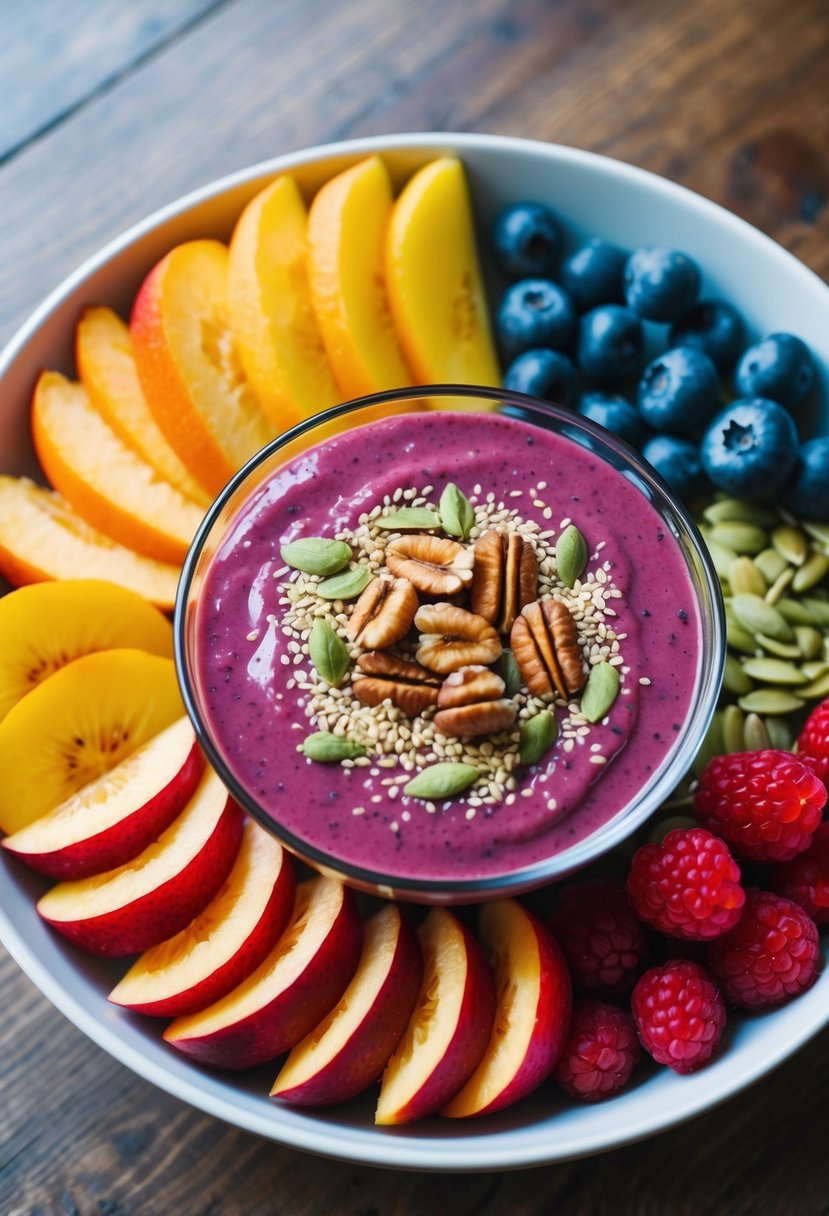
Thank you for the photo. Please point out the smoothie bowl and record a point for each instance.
(451, 648)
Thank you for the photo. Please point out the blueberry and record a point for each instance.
(750, 448)
(593, 274)
(679, 391)
(615, 413)
(807, 491)
(713, 326)
(526, 240)
(661, 284)
(678, 461)
(779, 367)
(611, 345)
(533, 313)
(544, 373)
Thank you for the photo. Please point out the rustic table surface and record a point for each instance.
(113, 107)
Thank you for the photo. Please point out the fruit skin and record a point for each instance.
(526, 240)
(679, 1014)
(805, 879)
(679, 391)
(611, 345)
(605, 944)
(535, 313)
(677, 460)
(715, 327)
(772, 955)
(780, 367)
(765, 804)
(750, 448)
(807, 490)
(594, 274)
(813, 741)
(616, 413)
(661, 284)
(600, 1052)
(687, 886)
(547, 374)
(361, 1058)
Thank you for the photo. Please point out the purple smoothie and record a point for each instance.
(244, 664)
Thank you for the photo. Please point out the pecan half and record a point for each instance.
(546, 648)
(471, 702)
(468, 685)
(435, 565)
(451, 637)
(383, 614)
(387, 677)
(504, 579)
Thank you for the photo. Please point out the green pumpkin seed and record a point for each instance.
(736, 510)
(328, 652)
(817, 689)
(759, 617)
(809, 641)
(733, 726)
(330, 749)
(735, 679)
(773, 671)
(721, 556)
(600, 692)
(671, 823)
(779, 585)
(744, 576)
(770, 701)
(538, 734)
(812, 572)
(571, 555)
(742, 538)
(770, 564)
(755, 734)
(795, 612)
(409, 519)
(814, 669)
(442, 780)
(456, 512)
(510, 673)
(818, 532)
(347, 585)
(790, 543)
(781, 736)
(819, 610)
(316, 554)
(740, 639)
(712, 744)
(783, 650)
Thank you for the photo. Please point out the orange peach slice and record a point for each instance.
(289, 993)
(42, 539)
(347, 227)
(434, 280)
(449, 1029)
(114, 818)
(533, 1013)
(45, 626)
(224, 944)
(106, 366)
(188, 365)
(277, 334)
(104, 480)
(80, 723)
(156, 894)
(350, 1048)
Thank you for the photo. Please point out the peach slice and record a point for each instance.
(533, 1013)
(449, 1029)
(106, 366)
(42, 538)
(47, 625)
(156, 894)
(224, 944)
(188, 365)
(289, 993)
(104, 480)
(350, 1048)
(347, 227)
(115, 817)
(434, 280)
(80, 723)
(277, 335)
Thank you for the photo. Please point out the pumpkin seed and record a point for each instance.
(790, 543)
(742, 538)
(571, 555)
(773, 671)
(538, 734)
(755, 734)
(795, 612)
(409, 519)
(441, 780)
(738, 637)
(316, 554)
(330, 749)
(780, 734)
(770, 701)
(818, 532)
(733, 725)
(819, 610)
(736, 510)
(600, 692)
(735, 679)
(817, 689)
(328, 652)
(779, 585)
(721, 556)
(456, 513)
(347, 585)
(815, 668)
(670, 824)
(783, 650)
(744, 576)
(809, 641)
(770, 564)
(812, 572)
(759, 617)
(510, 673)
(712, 744)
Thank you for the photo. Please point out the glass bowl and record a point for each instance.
(217, 531)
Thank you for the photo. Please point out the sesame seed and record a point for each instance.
(644, 680)
(359, 810)
(598, 759)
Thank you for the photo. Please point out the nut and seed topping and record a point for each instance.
(471, 703)
(545, 643)
(504, 579)
(383, 614)
(468, 685)
(381, 676)
(434, 565)
(451, 637)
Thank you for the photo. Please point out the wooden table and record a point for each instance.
(111, 108)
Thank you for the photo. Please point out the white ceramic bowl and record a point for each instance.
(595, 196)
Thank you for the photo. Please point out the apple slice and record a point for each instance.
(224, 944)
(350, 1048)
(114, 818)
(533, 1013)
(449, 1029)
(156, 894)
(289, 993)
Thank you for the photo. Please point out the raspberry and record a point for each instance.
(765, 804)
(605, 945)
(770, 956)
(805, 879)
(687, 886)
(813, 742)
(600, 1052)
(679, 1014)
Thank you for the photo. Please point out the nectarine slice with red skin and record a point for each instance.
(449, 1029)
(160, 891)
(114, 818)
(80, 723)
(106, 366)
(350, 1048)
(289, 993)
(42, 539)
(532, 1016)
(188, 365)
(47, 625)
(225, 942)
